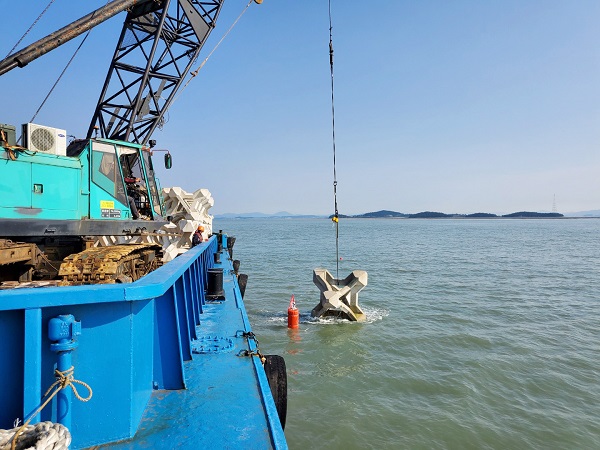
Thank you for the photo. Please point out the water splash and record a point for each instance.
(373, 315)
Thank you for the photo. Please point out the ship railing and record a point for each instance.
(124, 340)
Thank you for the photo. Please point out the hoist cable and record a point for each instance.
(60, 76)
(195, 72)
(63, 71)
(335, 215)
(29, 29)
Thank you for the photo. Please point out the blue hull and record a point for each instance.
(166, 365)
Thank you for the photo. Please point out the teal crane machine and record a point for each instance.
(59, 201)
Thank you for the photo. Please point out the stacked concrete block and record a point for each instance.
(186, 210)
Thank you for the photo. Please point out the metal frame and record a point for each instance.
(155, 52)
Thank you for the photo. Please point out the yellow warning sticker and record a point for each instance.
(107, 204)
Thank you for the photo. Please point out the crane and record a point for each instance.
(43, 225)
(158, 44)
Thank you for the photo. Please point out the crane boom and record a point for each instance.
(65, 34)
(156, 49)
(159, 43)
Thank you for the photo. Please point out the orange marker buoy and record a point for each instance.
(293, 314)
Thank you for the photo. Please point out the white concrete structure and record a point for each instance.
(339, 298)
(187, 212)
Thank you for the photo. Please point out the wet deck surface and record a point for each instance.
(222, 406)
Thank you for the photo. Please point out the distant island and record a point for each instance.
(384, 214)
(387, 214)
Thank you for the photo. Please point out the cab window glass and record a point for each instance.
(105, 171)
(135, 181)
(152, 184)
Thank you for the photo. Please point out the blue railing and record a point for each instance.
(134, 338)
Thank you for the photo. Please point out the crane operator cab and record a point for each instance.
(136, 187)
(121, 183)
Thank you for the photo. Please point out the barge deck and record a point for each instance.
(168, 368)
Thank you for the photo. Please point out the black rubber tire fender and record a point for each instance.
(277, 376)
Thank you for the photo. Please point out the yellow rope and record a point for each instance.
(63, 380)
(66, 379)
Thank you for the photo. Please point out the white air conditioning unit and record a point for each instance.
(45, 139)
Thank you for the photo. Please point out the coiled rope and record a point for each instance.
(41, 436)
(63, 381)
(335, 217)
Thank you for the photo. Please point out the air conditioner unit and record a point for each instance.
(45, 139)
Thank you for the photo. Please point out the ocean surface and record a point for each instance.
(480, 334)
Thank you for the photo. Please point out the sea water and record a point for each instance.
(480, 334)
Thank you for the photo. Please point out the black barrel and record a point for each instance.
(214, 290)
(217, 258)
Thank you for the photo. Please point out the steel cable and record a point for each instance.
(335, 215)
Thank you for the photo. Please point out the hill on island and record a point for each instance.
(379, 214)
(385, 214)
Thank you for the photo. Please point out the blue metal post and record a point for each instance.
(32, 370)
(62, 331)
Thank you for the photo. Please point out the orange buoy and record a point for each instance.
(293, 314)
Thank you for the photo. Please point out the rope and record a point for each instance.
(63, 380)
(13, 151)
(48, 261)
(29, 29)
(335, 215)
(195, 72)
(66, 379)
(43, 436)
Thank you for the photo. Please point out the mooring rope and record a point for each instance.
(41, 436)
(63, 381)
(335, 215)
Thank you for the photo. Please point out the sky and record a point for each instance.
(458, 107)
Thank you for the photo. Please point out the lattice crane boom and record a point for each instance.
(158, 45)
(159, 42)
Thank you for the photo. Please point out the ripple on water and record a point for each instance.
(480, 334)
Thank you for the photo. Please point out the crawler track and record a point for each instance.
(115, 264)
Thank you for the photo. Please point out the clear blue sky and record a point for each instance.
(452, 106)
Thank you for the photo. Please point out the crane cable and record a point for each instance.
(29, 29)
(60, 76)
(335, 217)
(195, 72)
(65, 68)
(21, 40)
